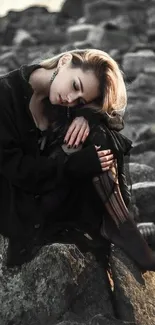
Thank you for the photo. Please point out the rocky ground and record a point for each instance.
(62, 286)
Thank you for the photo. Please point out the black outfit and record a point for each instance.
(28, 178)
(45, 193)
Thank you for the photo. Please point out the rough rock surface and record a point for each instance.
(58, 281)
(144, 195)
(134, 292)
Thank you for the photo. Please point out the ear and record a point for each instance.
(65, 59)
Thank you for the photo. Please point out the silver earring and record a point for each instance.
(54, 75)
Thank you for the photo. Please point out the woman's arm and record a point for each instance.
(36, 174)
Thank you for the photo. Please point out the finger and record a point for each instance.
(80, 135)
(105, 168)
(106, 158)
(74, 135)
(85, 135)
(102, 153)
(106, 164)
(69, 132)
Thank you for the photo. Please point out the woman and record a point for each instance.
(37, 175)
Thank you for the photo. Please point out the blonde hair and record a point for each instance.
(112, 87)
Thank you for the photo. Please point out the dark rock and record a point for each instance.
(60, 279)
(79, 32)
(143, 146)
(144, 198)
(144, 81)
(108, 320)
(109, 36)
(9, 60)
(132, 290)
(146, 158)
(72, 9)
(141, 111)
(101, 10)
(141, 173)
(134, 63)
(146, 132)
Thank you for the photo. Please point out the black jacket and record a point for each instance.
(25, 174)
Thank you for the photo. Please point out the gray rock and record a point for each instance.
(134, 292)
(58, 280)
(97, 11)
(134, 63)
(143, 146)
(9, 60)
(146, 158)
(144, 82)
(79, 32)
(141, 173)
(145, 200)
(23, 38)
(141, 110)
(108, 320)
(146, 132)
(112, 36)
(72, 9)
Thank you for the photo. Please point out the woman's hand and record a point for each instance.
(77, 132)
(106, 158)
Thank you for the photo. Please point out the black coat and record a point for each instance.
(26, 176)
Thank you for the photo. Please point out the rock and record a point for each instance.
(9, 60)
(101, 10)
(143, 83)
(141, 111)
(108, 320)
(72, 9)
(134, 63)
(110, 35)
(60, 279)
(146, 158)
(146, 132)
(79, 32)
(141, 173)
(3, 70)
(134, 292)
(144, 198)
(23, 38)
(50, 36)
(151, 17)
(143, 146)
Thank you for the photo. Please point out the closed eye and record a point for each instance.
(75, 86)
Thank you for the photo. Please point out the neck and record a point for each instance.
(40, 82)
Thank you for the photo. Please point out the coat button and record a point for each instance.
(37, 225)
(37, 197)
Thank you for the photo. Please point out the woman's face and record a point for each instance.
(73, 86)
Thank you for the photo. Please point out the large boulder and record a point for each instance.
(134, 292)
(144, 198)
(59, 280)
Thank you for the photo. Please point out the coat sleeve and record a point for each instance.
(31, 173)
